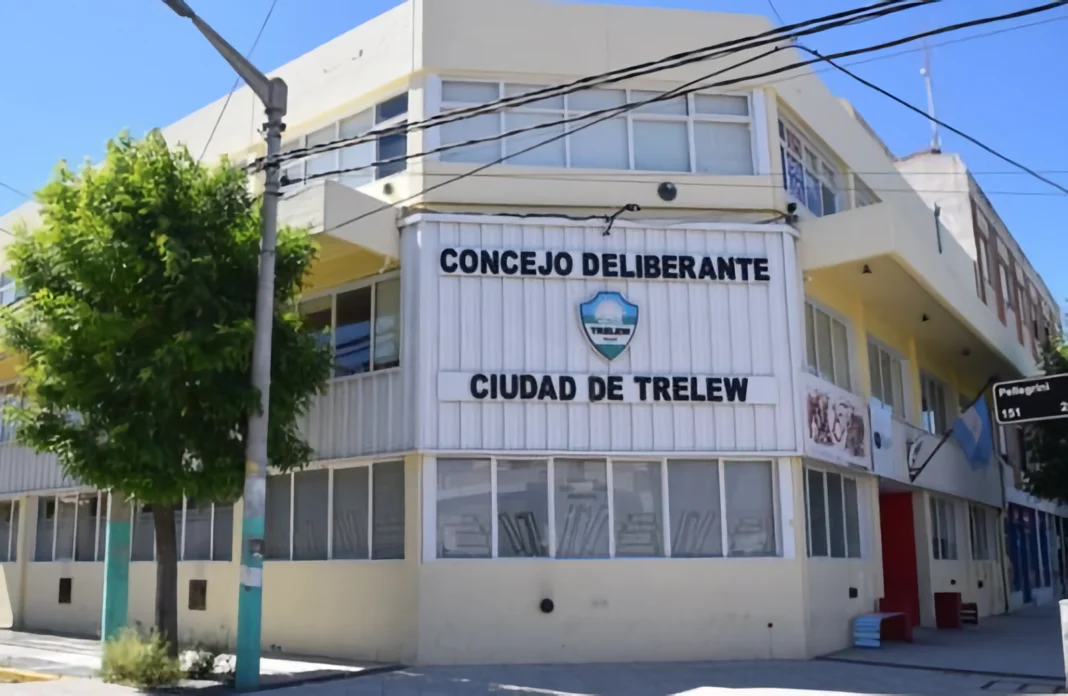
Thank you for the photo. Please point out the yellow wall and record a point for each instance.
(9, 593)
(610, 610)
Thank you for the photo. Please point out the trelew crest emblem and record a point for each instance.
(609, 322)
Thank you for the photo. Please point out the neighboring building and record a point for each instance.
(1014, 292)
(708, 491)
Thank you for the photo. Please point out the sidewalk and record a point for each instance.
(1026, 644)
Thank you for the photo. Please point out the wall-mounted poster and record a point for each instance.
(836, 424)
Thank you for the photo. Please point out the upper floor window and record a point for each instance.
(345, 318)
(807, 176)
(9, 530)
(1007, 287)
(935, 400)
(391, 112)
(827, 346)
(887, 383)
(833, 512)
(698, 133)
(982, 253)
(862, 195)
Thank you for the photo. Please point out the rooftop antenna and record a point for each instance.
(936, 141)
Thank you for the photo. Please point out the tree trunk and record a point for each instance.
(166, 576)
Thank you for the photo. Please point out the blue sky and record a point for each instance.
(75, 72)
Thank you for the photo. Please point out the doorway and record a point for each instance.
(901, 587)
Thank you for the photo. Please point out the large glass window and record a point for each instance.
(208, 531)
(336, 514)
(887, 382)
(943, 529)
(9, 394)
(597, 508)
(464, 508)
(808, 176)
(833, 513)
(345, 318)
(325, 165)
(827, 347)
(935, 400)
(522, 508)
(659, 136)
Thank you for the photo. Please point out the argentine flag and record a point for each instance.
(973, 431)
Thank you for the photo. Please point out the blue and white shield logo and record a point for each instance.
(609, 322)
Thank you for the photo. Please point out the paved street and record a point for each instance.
(1019, 653)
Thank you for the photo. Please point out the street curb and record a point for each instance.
(28, 676)
(318, 679)
(950, 670)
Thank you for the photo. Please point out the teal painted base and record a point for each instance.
(116, 579)
(249, 606)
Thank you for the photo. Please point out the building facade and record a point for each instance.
(555, 434)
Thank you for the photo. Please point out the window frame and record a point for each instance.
(691, 118)
(787, 126)
(14, 527)
(844, 476)
(301, 141)
(929, 380)
(373, 284)
(811, 306)
(979, 519)
(369, 464)
(430, 541)
(938, 505)
(901, 411)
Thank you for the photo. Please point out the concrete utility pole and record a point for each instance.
(273, 93)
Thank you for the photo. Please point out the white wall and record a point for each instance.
(686, 327)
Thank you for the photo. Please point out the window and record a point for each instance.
(1006, 289)
(862, 195)
(983, 254)
(596, 508)
(359, 344)
(934, 404)
(1043, 548)
(71, 527)
(943, 529)
(832, 509)
(143, 535)
(10, 292)
(392, 112)
(827, 346)
(807, 175)
(980, 522)
(887, 382)
(339, 513)
(9, 394)
(207, 531)
(9, 530)
(700, 133)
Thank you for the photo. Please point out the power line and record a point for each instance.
(15, 190)
(730, 47)
(608, 178)
(685, 89)
(974, 141)
(237, 82)
(778, 16)
(676, 91)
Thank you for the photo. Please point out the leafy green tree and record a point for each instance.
(136, 334)
(1048, 440)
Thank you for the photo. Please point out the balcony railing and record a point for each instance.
(359, 415)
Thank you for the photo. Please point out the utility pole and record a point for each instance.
(936, 141)
(273, 93)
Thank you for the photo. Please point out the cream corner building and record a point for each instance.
(503, 473)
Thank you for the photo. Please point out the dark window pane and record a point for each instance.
(352, 344)
(224, 533)
(387, 532)
(391, 108)
(46, 520)
(522, 508)
(390, 147)
(85, 544)
(276, 520)
(350, 512)
(836, 516)
(143, 546)
(817, 514)
(310, 495)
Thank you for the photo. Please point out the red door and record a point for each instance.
(901, 587)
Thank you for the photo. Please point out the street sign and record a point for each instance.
(1032, 399)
